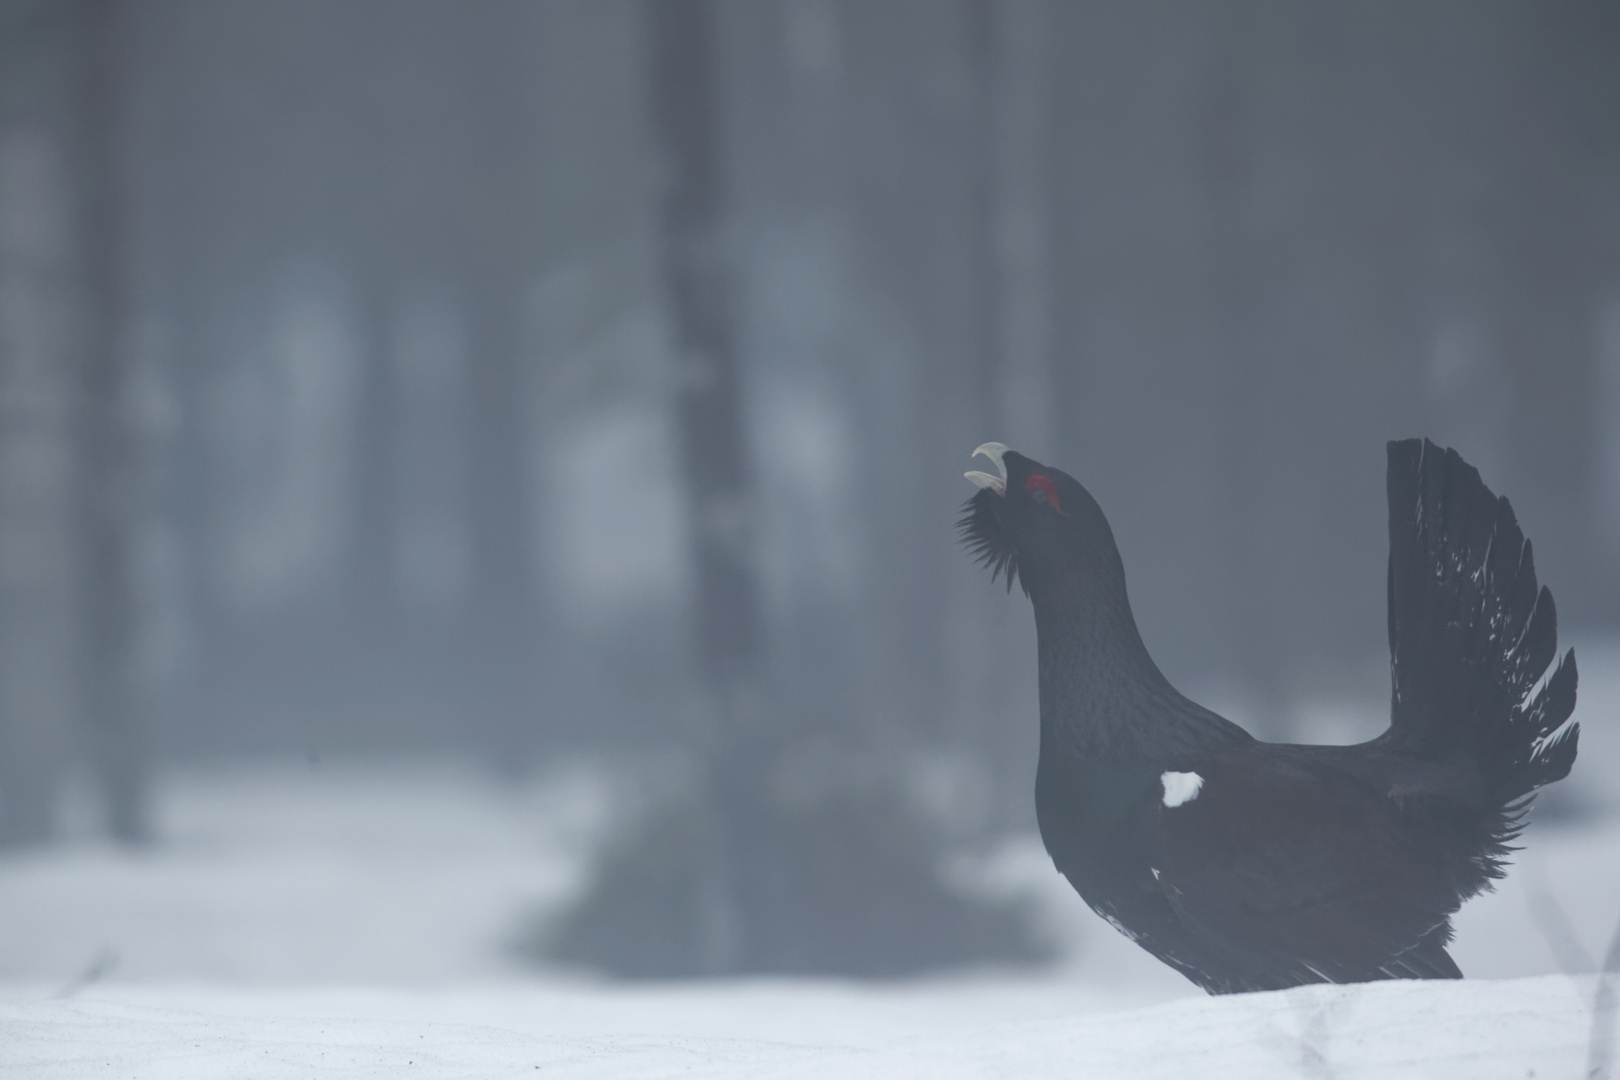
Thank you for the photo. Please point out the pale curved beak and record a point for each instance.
(998, 484)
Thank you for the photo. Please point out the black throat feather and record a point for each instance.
(986, 538)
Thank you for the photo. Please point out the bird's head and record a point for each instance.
(1034, 523)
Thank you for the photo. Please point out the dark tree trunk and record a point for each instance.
(698, 282)
(728, 626)
(768, 866)
(108, 459)
(42, 300)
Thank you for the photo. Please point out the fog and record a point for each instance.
(557, 411)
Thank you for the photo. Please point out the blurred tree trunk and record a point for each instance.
(770, 865)
(1016, 215)
(41, 307)
(697, 270)
(961, 389)
(108, 447)
(1020, 220)
(376, 514)
(698, 279)
(1547, 287)
(499, 254)
(672, 900)
(1237, 262)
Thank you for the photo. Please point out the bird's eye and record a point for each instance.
(1043, 490)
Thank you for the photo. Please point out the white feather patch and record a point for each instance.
(1180, 787)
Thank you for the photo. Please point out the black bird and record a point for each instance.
(1257, 866)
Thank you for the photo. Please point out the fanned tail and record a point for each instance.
(1472, 638)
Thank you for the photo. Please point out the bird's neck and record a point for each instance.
(1102, 696)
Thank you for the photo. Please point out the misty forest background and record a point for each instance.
(541, 380)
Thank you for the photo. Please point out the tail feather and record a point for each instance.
(1471, 634)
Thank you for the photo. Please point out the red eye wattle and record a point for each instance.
(1044, 490)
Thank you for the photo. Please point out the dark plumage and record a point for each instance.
(1257, 866)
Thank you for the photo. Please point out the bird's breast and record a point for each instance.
(1096, 819)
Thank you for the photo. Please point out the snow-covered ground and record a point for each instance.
(358, 920)
(1468, 1031)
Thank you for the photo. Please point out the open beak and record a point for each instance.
(997, 484)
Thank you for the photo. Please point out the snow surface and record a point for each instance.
(297, 920)
(1473, 1030)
